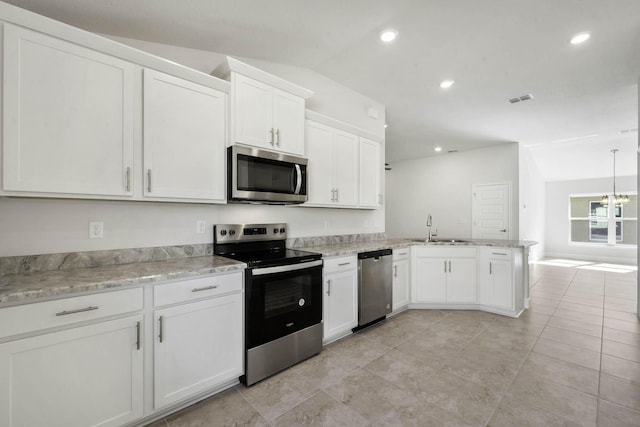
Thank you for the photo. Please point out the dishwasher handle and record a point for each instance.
(375, 254)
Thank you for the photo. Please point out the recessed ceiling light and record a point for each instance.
(385, 125)
(580, 38)
(388, 35)
(446, 84)
(438, 149)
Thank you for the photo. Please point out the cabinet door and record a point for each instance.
(430, 279)
(288, 121)
(461, 280)
(86, 376)
(345, 161)
(320, 166)
(370, 173)
(498, 284)
(340, 303)
(400, 283)
(252, 112)
(197, 346)
(184, 139)
(68, 117)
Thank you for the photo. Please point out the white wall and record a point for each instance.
(37, 226)
(441, 185)
(558, 227)
(532, 204)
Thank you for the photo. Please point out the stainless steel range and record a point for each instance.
(283, 297)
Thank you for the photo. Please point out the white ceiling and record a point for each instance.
(493, 49)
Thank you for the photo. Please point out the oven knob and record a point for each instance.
(223, 232)
(275, 231)
(232, 232)
(282, 230)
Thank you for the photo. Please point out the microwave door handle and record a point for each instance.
(298, 179)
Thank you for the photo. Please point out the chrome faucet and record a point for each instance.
(429, 224)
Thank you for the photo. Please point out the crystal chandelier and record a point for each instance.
(618, 198)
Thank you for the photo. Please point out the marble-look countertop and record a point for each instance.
(358, 247)
(18, 288)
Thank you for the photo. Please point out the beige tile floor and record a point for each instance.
(573, 359)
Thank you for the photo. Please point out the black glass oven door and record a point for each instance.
(282, 300)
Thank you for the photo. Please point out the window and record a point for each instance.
(592, 222)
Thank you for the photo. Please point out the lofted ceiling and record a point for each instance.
(494, 50)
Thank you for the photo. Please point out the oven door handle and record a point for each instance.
(284, 268)
(298, 179)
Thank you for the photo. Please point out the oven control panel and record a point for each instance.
(223, 233)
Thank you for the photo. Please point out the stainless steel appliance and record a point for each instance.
(374, 286)
(283, 297)
(260, 176)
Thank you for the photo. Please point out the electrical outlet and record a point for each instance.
(200, 227)
(96, 230)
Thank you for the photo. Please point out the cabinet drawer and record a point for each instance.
(50, 314)
(399, 254)
(332, 265)
(202, 287)
(446, 251)
(498, 252)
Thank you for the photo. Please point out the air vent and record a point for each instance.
(452, 151)
(521, 98)
(635, 130)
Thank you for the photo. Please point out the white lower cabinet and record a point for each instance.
(197, 345)
(340, 298)
(501, 288)
(84, 376)
(444, 275)
(400, 295)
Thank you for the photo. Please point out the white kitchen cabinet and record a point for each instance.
(371, 167)
(184, 139)
(197, 345)
(67, 116)
(266, 117)
(444, 275)
(340, 298)
(400, 295)
(89, 375)
(333, 167)
(501, 289)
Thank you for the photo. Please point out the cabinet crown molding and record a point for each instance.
(335, 123)
(233, 65)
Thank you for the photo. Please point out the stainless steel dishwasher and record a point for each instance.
(374, 286)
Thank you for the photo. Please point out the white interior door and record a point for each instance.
(491, 211)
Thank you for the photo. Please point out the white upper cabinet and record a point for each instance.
(333, 166)
(370, 173)
(266, 111)
(68, 117)
(184, 139)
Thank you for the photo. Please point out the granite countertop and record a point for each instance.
(357, 247)
(16, 288)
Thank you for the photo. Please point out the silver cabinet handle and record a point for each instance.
(160, 334)
(149, 180)
(138, 336)
(498, 253)
(128, 178)
(337, 194)
(445, 265)
(277, 137)
(449, 266)
(343, 264)
(272, 137)
(490, 268)
(298, 179)
(402, 253)
(80, 310)
(333, 194)
(329, 287)
(206, 288)
(504, 230)
(395, 271)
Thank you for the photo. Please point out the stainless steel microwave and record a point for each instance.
(260, 176)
